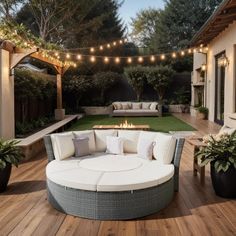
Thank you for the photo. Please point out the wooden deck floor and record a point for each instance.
(196, 210)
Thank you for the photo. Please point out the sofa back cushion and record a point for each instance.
(126, 105)
(101, 139)
(117, 105)
(164, 148)
(130, 140)
(90, 135)
(136, 105)
(153, 106)
(146, 105)
(63, 146)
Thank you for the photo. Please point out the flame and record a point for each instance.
(125, 125)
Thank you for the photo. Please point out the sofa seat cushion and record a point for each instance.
(141, 174)
(73, 177)
(140, 111)
(148, 175)
(111, 163)
(130, 140)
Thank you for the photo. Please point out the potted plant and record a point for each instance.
(220, 152)
(202, 113)
(10, 155)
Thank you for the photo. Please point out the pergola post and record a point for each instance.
(59, 112)
(7, 112)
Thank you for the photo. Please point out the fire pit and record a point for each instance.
(124, 125)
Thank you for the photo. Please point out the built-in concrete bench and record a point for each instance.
(33, 144)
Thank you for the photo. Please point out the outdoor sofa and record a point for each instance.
(135, 109)
(110, 187)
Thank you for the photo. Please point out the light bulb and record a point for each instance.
(174, 55)
(108, 45)
(92, 49)
(56, 54)
(106, 59)
(121, 41)
(79, 57)
(101, 48)
(117, 60)
(163, 57)
(114, 43)
(92, 59)
(67, 55)
(152, 58)
(182, 53)
(129, 60)
(140, 59)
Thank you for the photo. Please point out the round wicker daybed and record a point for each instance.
(111, 187)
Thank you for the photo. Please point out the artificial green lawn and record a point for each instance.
(164, 124)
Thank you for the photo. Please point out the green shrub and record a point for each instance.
(203, 110)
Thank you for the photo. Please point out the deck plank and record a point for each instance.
(195, 210)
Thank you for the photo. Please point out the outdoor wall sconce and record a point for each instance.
(203, 67)
(224, 61)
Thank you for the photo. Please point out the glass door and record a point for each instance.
(219, 90)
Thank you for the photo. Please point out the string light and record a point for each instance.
(117, 60)
(121, 42)
(182, 53)
(163, 57)
(79, 57)
(129, 60)
(174, 55)
(108, 45)
(68, 56)
(114, 43)
(92, 59)
(190, 51)
(101, 47)
(152, 58)
(106, 59)
(140, 59)
(194, 50)
(75, 65)
(92, 50)
(56, 54)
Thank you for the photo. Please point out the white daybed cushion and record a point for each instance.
(130, 140)
(164, 148)
(100, 139)
(148, 175)
(90, 135)
(111, 163)
(73, 177)
(63, 146)
(115, 145)
(227, 130)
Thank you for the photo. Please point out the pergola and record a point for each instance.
(10, 57)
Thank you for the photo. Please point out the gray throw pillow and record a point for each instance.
(81, 146)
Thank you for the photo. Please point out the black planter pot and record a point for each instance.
(224, 183)
(4, 177)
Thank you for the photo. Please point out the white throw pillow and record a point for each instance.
(145, 148)
(130, 138)
(81, 146)
(153, 106)
(115, 145)
(146, 105)
(136, 105)
(164, 148)
(90, 135)
(63, 146)
(101, 139)
(117, 105)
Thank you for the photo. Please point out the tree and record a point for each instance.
(103, 81)
(179, 21)
(136, 77)
(8, 8)
(144, 26)
(159, 77)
